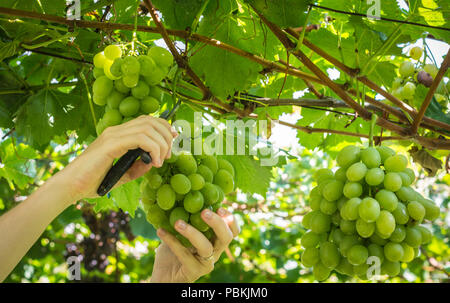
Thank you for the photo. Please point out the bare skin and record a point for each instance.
(22, 226)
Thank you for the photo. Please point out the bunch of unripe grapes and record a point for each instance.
(404, 87)
(366, 208)
(182, 188)
(127, 86)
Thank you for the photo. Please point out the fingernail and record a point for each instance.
(161, 232)
(181, 225)
(221, 212)
(207, 214)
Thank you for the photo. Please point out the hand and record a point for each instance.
(178, 264)
(153, 135)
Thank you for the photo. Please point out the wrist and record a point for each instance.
(60, 187)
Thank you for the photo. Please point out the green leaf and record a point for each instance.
(101, 203)
(15, 160)
(178, 14)
(140, 226)
(251, 177)
(127, 197)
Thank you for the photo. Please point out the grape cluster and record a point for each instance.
(366, 208)
(411, 75)
(127, 86)
(105, 231)
(182, 188)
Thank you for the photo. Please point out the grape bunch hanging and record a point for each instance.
(127, 86)
(182, 188)
(366, 208)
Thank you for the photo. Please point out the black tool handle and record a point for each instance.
(120, 168)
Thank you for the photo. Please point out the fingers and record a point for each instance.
(197, 239)
(182, 253)
(230, 220)
(220, 227)
(137, 170)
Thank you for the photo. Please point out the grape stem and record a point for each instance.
(372, 127)
(91, 105)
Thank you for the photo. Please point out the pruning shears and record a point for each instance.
(126, 161)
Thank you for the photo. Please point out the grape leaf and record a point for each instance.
(127, 197)
(251, 177)
(178, 14)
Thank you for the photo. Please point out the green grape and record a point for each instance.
(186, 164)
(393, 251)
(376, 251)
(371, 157)
(323, 174)
(173, 158)
(344, 267)
(431, 69)
(210, 193)
(100, 127)
(406, 69)
(392, 181)
(140, 91)
(390, 268)
(329, 255)
(107, 70)
(183, 240)
(406, 194)
(416, 53)
(350, 209)
(321, 185)
(120, 86)
(411, 174)
(165, 197)
(320, 223)
(180, 184)
(307, 218)
(310, 239)
(99, 60)
(130, 81)
(397, 83)
(333, 190)
(431, 210)
(198, 223)
(399, 234)
(116, 68)
(348, 227)
(347, 242)
(385, 152)
(310, 257)
(156, 92)
(205, 172)
(221, 194)
(224, 164)
(357, 255)
(348, 156)
(225, 180)
(375, 238)
(161, 56)
(352, 189)
(197, 181)
(413, 237)
(361, 271)
(112, 52)
(114, 99)
(155, 181)
(112, 117)
(321, 272)
(178, 213)
(365, 229)
(102, 87)
(131, 66)
(149, 105)
(211, 163)
(129, 106)
(100, 101)
(416, 210)
(156, 76)
(374, 176)
(369, 209)
(356, 172)
(340, 203)
(426, 234)
(385, 223)
(406, 179)
(98, 72)
(327, 207)
(408, 253)
(408, 90)
(216, 206)
(193, 202)
(395, 163)
(401, 214)
(340, 175)
(387, 199)
(156, 216)
(336, 218)
(337, 236)
(147, 65)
